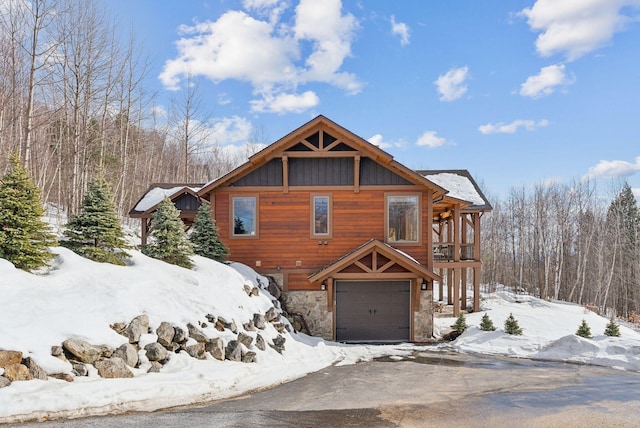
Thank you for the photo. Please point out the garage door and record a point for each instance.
(372, 311)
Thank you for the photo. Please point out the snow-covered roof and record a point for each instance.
(459, 184)
(156, 194)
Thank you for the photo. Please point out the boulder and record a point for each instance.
(180, 336)
(247, 289)
(216, 348)
(79, 369)
(127, 352)
(36, 371)
(10, 357)
(260, 343)
(156, 352)
(62, 376)
(82, 351)
(272, 315)
(118, 327)
(278, 343)
(136, 328)
(274, 290)
(280, 327)
(249, 326)
(232, 351)
(16, 372)
(195, 350)
(255, 291)
(57, 351)
(210, 318)
(249, 357)
(165, 333)
(155, 367)
(4, 382)
(113, 368)
(196, 334)
(245, 339)
(259, 321)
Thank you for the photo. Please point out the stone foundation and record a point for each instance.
(313, 307)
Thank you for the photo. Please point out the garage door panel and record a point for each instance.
(372, 310)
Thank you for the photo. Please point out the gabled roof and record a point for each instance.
(149, 202)
(369, 247)
(461, 186)
(320, 122)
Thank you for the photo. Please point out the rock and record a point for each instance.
(165, 333)
(247, 289)
(62, 376)
(36, 371)
(113, 368)
(16, 372)
(156, 352)
(255, 291)
(278, 343)
(210, 318)
(203, 324)
(219, 325)
(80, 369)
(10, 357)
(245, 339)
(233, 327)
(4, 382)
(127, 352)
(273, 288)
(260, 343)
(272, 315)
(233, 351)
(82, 351)
(118, 327)
(249, 326)
(57, 351)
(196, 334)
(259, 321)
(196, 350)
(280, 327)
(180, 335)
(249, 357)
(136, 328)
(155, 367)
(216, 348)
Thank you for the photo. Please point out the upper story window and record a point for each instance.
(321, 216)
(244, 214)
(403, 218)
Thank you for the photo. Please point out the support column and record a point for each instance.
(463, 287)
(456, 292)
(450, 287)
(476, 289)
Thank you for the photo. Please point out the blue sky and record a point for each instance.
(517, 92)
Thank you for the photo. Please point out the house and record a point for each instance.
(355, 240)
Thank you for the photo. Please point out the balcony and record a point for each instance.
(446, 252)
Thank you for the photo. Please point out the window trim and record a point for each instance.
(232, 234)
(312, 206)
(419, 216)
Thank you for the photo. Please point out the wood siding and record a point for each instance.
(269, 174)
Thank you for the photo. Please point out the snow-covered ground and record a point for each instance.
(77, 298)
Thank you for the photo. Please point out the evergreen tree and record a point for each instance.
(584, 330)
(612, 328)
(96, 233)
(460, 325)
(205, 239)
(511, 326)
(486, 324)
(168, 238)
(24, 238)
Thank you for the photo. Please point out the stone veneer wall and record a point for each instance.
(313, 307)
(423, 318)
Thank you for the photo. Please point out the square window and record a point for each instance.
(403, 219)
(244, 216)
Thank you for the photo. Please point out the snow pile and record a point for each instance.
(548, 333)
(79, 298)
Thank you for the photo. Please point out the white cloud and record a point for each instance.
(511, 128)
(575, 28)
(613, 169)
(272, 56)
(400, 29)
(159, 112)
(451, 85)
(377, 140)
(431, 140)
(285, 103)
(636, 192)
(231, 130)
(546, 82)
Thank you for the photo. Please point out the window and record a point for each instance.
(320, 216)
(244, 216)
(403, 219)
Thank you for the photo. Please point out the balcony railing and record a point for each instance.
(446, 252)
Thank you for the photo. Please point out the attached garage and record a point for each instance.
(373, 311)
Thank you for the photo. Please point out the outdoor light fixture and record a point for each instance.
(323, 286)
(423, 286)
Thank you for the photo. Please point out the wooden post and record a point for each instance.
(285, 174)
(429, 229)
(449, 286)
(456, 292)
(476, 289)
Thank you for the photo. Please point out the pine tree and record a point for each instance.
(168, 238)
(24, 238)
(612, 328)
(486, 324)
(511, 326)
(205, 239)
(460, 325)
(584, 330)
(96, 233)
